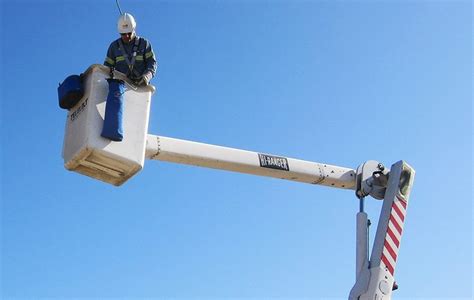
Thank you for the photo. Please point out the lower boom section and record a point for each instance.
(224, 158)
(378, 283)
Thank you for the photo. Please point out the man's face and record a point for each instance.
(127, 37)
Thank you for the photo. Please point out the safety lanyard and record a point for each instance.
(134, 54)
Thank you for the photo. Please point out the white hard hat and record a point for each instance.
(126, 23)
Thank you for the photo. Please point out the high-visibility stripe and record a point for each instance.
(149, 54)
(403, 202)
(396, 219)
(390, 250)
(388, 259)
(393, 237)
(120, 58)
(139, 57)
(398, 211)
(402, 206)
(392, 244)
(388, 265)
(395, 224)
(110, 61)
(394, 233)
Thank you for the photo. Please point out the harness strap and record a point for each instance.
(131, 63)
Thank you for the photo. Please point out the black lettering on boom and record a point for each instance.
(273, 162)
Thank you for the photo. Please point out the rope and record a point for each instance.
(118, 6)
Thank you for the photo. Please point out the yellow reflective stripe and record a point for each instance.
(119, 58)
(110, 61)
(139, 57)
(149, 54)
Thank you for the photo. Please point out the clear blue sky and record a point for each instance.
(337, 82)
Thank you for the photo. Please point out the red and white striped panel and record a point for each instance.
(394, 233)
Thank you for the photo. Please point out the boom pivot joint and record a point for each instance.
(371, 179)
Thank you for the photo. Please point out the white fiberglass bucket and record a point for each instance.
(85, 151)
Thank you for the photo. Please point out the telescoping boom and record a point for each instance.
(218, 157)
(86, 152)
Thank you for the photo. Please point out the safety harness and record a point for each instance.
(131, 63)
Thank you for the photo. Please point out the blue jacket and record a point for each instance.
(144, 61)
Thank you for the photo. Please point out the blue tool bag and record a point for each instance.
(70, 91)
(113, 129)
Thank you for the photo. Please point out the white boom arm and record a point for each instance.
(217, 157)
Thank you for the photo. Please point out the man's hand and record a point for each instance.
(145, 78)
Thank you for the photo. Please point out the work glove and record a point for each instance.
(145, 78)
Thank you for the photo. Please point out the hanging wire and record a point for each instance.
(118, 6)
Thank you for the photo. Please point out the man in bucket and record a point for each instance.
(130, 54)
(133, 56)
